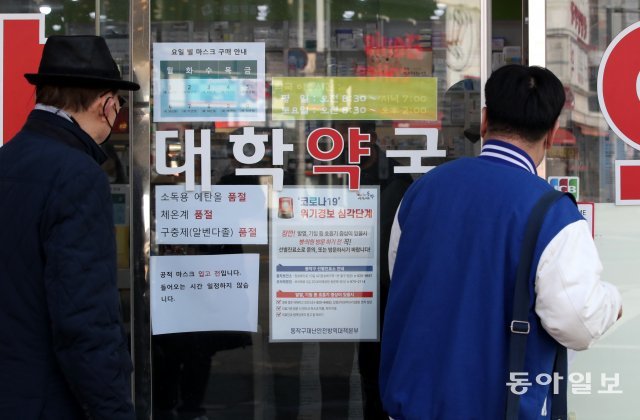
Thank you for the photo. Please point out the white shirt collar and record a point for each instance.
(54, 110)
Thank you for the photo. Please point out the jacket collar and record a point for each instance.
(65, 131)
(507, 153)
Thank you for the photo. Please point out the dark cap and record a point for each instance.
(78, 61)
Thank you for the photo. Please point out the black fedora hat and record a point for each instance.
(78, 61)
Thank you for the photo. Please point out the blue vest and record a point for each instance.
(445, 335)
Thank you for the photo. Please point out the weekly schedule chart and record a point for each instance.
(209, 82)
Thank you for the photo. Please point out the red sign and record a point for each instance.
(627, 182)
(21, 42)
(619, 85)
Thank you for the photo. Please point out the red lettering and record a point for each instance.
(313, 144)
(356, 138)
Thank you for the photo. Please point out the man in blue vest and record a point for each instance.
(455, 246)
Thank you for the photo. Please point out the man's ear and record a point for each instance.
(483, 122)
(98, 107)
(551, 134)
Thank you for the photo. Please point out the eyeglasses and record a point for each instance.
(122, 102)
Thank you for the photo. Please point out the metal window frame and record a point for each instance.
(140, 211)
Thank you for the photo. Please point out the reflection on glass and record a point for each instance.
(584, 146)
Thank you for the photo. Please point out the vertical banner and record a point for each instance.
(21, 42)
(204, 293)
(324, 264)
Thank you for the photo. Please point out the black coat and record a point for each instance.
(63, 352)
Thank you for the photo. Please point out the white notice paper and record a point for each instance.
(324, 264)
(204, 293)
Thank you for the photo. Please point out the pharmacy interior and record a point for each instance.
(256, 174)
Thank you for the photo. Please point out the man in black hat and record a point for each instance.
(63, 350)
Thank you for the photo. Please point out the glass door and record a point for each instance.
(283, 134)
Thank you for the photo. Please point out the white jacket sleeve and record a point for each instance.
(394, 240)
(574, 305)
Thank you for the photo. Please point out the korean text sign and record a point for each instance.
(324, 271)
(360, 98)
(229, 214)
(204, 293)
(352, 146)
